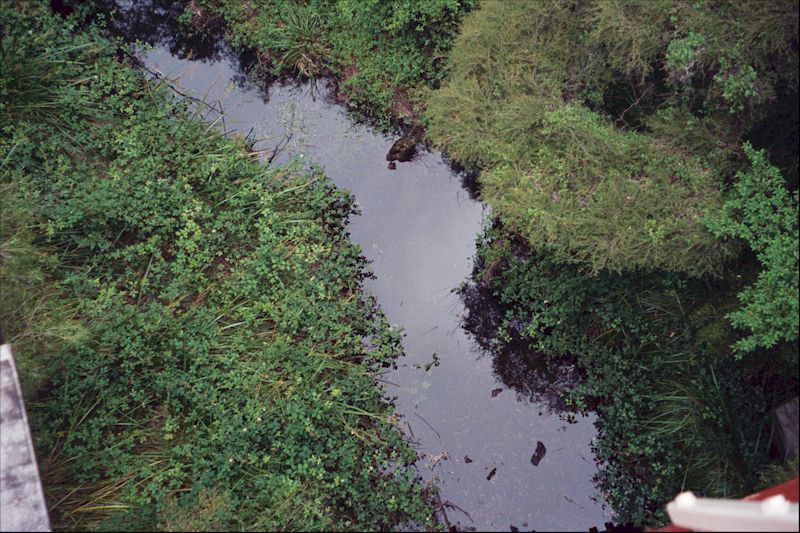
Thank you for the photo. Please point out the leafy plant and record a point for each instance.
(763, 213)
(190, 323)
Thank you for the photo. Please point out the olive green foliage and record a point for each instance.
(764, 214)
(579, 116)
(37, 318)
(378, 50)
(672, 417)
(203, 353)
(780, 472)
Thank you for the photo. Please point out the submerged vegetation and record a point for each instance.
(189, 324)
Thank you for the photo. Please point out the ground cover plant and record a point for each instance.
(191, 333)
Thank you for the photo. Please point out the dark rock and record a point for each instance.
(392, 165)
(467, 459)
(403, 148)
(495, 392)
(491, 474)
(785, 419)
(538, 454)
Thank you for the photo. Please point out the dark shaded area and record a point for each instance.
(610, 526)
(469, 177)
(61, 8)
(155, 22)
(532, 375)
(629, 102)
(778, 133)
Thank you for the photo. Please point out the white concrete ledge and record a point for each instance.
(22, 504)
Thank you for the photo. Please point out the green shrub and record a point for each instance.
(578, 115)
(377, 50)
(199, 321)
(762, 213)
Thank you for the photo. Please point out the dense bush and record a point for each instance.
(217, 373)
(606, 130)
(764, 214)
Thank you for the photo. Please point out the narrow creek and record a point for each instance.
(476, 428)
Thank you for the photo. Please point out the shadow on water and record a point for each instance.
(157, 22)
(534, 378)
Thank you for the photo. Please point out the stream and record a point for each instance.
(478, 420)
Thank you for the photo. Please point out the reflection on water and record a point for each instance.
(488, 426)
(157, 22)
(529, 374)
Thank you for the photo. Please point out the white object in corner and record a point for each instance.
(775, 513)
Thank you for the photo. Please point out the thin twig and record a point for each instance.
(448, 503)
(427, 424)
(160, 76)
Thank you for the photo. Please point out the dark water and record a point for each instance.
(477, 417)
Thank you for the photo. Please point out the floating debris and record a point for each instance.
(436, 459)
(538, 454)
(491, 474)
(434, 362)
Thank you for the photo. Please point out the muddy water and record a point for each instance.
(475, 418)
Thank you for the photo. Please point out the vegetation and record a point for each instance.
(382, 53)
(603, 145)
(674, 412)
(780, 473)
(764, 214)
(172, 302)
(639, 233)
(189, 324)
